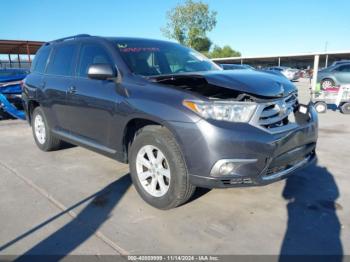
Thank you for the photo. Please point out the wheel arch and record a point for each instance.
(134, 125)
(32, 104)
(130, 130)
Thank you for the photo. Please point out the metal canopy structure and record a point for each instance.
(19, 47)
(301, 60)
(11, 47)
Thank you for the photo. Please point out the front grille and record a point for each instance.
(237, 181)
(277, 115)
(275, 170)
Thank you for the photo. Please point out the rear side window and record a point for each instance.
(62, 62)
(40, 60)
(344, 68)
(91, 54)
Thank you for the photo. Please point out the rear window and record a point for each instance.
(40, 60)
(63, 60)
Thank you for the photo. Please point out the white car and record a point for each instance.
(290, 73)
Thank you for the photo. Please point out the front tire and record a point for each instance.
(321, 107)
(327, 83)
(158, 170)
(41, 132)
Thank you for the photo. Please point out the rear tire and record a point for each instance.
(155, 157)
(41, 132)
(321, 107)
(345, 108)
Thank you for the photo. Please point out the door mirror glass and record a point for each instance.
(101, 71)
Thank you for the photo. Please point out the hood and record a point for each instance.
(11, 78)
(252, 82)
(246, 81)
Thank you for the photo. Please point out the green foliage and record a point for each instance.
(201, 44)
(189, 23)
(225, 51)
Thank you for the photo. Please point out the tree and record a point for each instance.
(189, 23)
(201, 44)
(225, 51)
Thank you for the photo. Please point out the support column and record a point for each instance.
(241, 61)
(315, 71)
(10, 61)
(19, 61)
(28, 53)
(279, 61)
(326, 64)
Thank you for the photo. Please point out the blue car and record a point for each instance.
(10, 92)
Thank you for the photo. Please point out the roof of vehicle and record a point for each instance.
(341, 62)
(332, 66)
(82, 36)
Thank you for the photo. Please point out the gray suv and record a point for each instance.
(334, 75)
(177, 118)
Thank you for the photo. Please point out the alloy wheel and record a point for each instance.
(153, 170)
(39, 128)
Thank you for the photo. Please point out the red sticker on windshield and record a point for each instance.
(139, 49)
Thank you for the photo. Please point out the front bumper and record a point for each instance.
(277, 155)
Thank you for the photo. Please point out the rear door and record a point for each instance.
(58, 80)
(35, 82)
(91, 105)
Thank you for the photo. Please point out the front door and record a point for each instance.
(58, 79)
(91, 102)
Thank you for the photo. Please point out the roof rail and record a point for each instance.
(69, 38)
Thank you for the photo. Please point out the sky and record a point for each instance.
(253, 27)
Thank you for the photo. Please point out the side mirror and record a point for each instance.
(101, 71)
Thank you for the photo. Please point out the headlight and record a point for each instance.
(231, 111)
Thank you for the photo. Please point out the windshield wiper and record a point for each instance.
(175, 77)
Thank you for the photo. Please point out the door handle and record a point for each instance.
(72, 90)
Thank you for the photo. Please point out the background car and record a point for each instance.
(248, 67)
(334, 75)
(236, 66)
(291, 73)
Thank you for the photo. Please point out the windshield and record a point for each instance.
(153, 58)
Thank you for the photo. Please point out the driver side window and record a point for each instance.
(91, 54)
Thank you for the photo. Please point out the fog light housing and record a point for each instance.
(227, 167)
